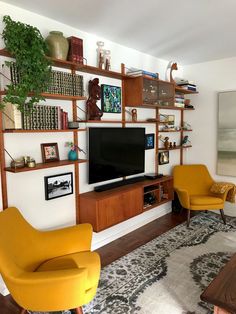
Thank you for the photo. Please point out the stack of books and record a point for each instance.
(41, 117)
(188, 86)
(179, 100)
(138, 72)
(75, 53)
(64, 83)
(45, 117)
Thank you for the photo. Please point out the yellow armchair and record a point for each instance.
(193, 183)
(47, 270)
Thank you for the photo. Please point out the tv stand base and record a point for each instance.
(117, 184)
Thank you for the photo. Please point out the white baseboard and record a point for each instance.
(104, 237)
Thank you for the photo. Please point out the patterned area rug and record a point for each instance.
(168, 274)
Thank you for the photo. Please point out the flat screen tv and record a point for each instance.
(115, 153)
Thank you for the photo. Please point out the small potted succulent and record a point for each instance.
(73, 152)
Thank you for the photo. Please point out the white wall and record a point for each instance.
(211, 78)
(26, 190)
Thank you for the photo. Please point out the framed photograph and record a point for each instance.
(163, 157)
(111, 98)
(58, 185)
(169, 119)
(50, 152)
(149, 141)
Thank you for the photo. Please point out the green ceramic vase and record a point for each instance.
(58, 45)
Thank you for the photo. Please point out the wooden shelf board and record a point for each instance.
(169, 131)
(185, 91)
(151, 106)
(45, 165)
(43, 131)
(55, 96)
(157, 204)
(174, 148)
(101, 121)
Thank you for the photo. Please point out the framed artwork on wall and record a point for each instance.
(226, 141)
(163, 157)
(149, 141)
(49, 152)
(58, 185)
(111, 98)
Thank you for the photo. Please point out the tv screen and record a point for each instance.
(115, 153)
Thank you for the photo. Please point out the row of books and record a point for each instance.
(179, 100)
(62, 83)
(42, 117)
(138, 72)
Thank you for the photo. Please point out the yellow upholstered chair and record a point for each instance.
(192, 183)
(47, 270)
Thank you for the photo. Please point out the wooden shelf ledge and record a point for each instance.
(44, 131)
(40, 166)
(174, 148)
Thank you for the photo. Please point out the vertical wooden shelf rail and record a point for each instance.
(2, 164)
(181, 135)
(76, 165)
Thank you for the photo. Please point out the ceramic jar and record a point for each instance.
(58, 45)
(72, 155)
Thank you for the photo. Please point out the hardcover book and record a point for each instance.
(75, 53)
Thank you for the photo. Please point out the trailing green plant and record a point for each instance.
(26, 44)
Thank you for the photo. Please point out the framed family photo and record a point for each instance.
(111, 98)
(49, 152)
(58, 185)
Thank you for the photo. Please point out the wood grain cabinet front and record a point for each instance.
(104, 210)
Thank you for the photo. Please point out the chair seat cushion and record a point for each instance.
(205, 200)
(89, 260)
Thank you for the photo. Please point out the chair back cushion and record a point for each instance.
(193, 178)
(18, 241)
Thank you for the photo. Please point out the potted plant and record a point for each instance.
(73, 152)
(26, 44)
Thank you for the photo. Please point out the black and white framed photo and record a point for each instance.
(149, 141)
(163, 157)
(58, 185)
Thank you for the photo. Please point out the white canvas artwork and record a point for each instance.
(226, 150)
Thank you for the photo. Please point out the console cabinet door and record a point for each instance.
(119, 207)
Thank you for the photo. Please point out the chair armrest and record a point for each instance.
(66, 241)
(222, 195)
(183, 197)
(49, 289)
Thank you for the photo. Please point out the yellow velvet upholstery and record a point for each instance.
(47, 270)
(193, 183)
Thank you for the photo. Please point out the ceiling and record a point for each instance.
(187, 31)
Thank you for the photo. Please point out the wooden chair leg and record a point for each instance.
(79, 310)
(23, 311)
(188, 218)
(223, 216)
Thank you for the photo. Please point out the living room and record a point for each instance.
(212, 72)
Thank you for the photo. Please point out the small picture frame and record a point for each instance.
(111, 98)
(49, 152)
(149, 141)
(163, 157)
(58, 185)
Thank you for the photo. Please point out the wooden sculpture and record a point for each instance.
(93, 112)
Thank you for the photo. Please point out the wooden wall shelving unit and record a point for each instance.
(110, 207)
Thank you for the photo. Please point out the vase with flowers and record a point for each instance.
(73, 152)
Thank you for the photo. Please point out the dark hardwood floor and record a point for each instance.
(117, 248)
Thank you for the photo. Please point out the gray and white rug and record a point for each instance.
(168, 274)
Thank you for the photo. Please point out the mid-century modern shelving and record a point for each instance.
(137, 190)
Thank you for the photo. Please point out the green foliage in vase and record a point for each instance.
(26, 44)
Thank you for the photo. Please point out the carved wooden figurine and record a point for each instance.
(93, 112)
